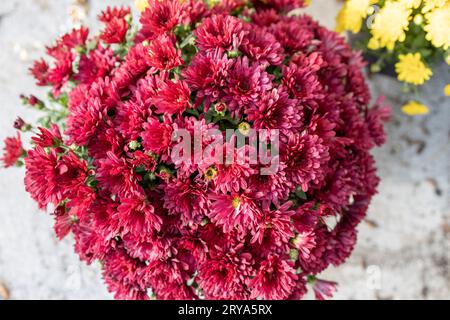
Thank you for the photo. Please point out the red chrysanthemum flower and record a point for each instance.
(157, 137)
(234, 170)
(40, 72)
(263, 47)
(73, 39)
(275, 187)
(147, 247)
(207, 74)
(304, 242)
(301, 79)
(118, 177)
(162, 53)
(99, 63)
(115, 31)
(112, 13)
(121, 275)
(137, 216)
(50, 178)
(305, 157)
(60, 74)
(172, 98)
(131, 117)
(48, 138)
(168, 278)
(274, 280)
(265, 18)
(136, 65)
(275, 110)
(220, 276)
(86, 117)
(13, 150)
(159, 18)
(194, 11)
(275, 227)
(187, 199)
(143, 160)
(235, 211)
(294, 33)
(246, 82)
(220, 31)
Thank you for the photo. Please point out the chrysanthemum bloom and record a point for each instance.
(274, 280)
(432, 4)
(414, 108)
(411, 69)
(208, 74)
(159, 17)
(220, 31)
(162, 53)
(48, 138)
(51, 178)
(172, 97)
(179, 225)
(390, 25)
(13, 150)
(352, 15)
(412, 3)
(438, 27)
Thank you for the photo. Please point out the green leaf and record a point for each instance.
(192, 112)
(300, 193)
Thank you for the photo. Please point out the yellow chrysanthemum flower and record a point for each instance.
(411, 69)
(390, 24)
(352, 15)
(429, 5)
(414, 108)
(438, 27)
(447, 90)
(141, 5)
(412, 3)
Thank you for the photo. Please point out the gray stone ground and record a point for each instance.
(403, 250)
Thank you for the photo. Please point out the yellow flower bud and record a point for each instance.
(244, 128)
(418, 19)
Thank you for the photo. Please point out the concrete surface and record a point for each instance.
(403, 250)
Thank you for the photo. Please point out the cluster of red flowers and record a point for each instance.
(186, 231)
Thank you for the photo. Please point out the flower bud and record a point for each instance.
(233, 54)
(220, 108)
(244, 128)
(210, 174)
(134, 145)
(375, 68)
(19, 124)
(418, 19)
